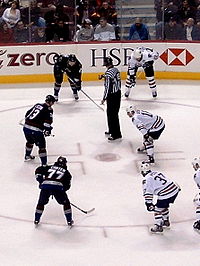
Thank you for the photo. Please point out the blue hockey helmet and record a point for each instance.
(50, 98)
(61, 161)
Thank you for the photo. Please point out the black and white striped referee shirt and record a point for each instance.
(112, 82)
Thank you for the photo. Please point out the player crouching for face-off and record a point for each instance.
(54, 181)
(156, 184)
(196, 166)
(151, 126)
(70, 65)
(141, 57)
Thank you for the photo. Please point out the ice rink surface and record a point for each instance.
(105, 176)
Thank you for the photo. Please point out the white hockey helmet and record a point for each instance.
(145, 168)
(196, 163)
(137, 54)
(130, 109)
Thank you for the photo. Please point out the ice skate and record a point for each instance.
(76, 96)
(157, 229)
(36, 223)
(114, 138)
(126, 94)
(196, 226)
(150, 160)
(154, 94)
(70, 224)
(29, 158)
(166, 223)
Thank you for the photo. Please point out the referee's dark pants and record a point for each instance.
(113, 106)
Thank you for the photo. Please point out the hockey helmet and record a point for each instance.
(61, 161)
(50, 98)
(137, 54)
(108, 61)
(196, 163)
(72, 58)
(130, 109)
(145, 168)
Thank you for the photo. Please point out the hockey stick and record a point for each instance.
(92, 100)
(86, 212)
(87, 95)
(22, 124)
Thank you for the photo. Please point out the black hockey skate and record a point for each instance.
(150, 160)
(196, 226)
(29, 158)
(154, 94)
(76, 96)
(70, 224)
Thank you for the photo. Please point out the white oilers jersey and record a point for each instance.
(197, 177)
(155, 183)
(148, 54)
(147, 122)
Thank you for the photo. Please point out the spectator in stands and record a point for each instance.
(198, 13)
(57, 25)
(139, 31)
(186, 11)
(106, 11)
(86, 32)
(82, 11)
(46, 3)
(6, 34)
(33, 18)
(39, 35)
(21, 33)
(12, 15)
(191, 31)
(173, 30)
(61, 33)
(104, 31)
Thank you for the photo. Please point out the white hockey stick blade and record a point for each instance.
(90, 210)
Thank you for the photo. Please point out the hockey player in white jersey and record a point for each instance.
(196, 166)
(141, 57)
(155, 184)
(151, 126)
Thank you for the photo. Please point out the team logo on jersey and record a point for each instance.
(176, 57)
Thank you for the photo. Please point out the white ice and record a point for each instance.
(117, 232)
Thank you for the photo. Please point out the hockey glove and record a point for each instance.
(101, 77)
(150, 206)
(147, 65)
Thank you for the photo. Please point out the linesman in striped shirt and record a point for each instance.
(156, 184)
(112, 96)
(151, 126)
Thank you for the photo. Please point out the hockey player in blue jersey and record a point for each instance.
(71, 66)
(54, 181)
(37, 126)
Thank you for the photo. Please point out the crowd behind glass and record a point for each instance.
(25, 21)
